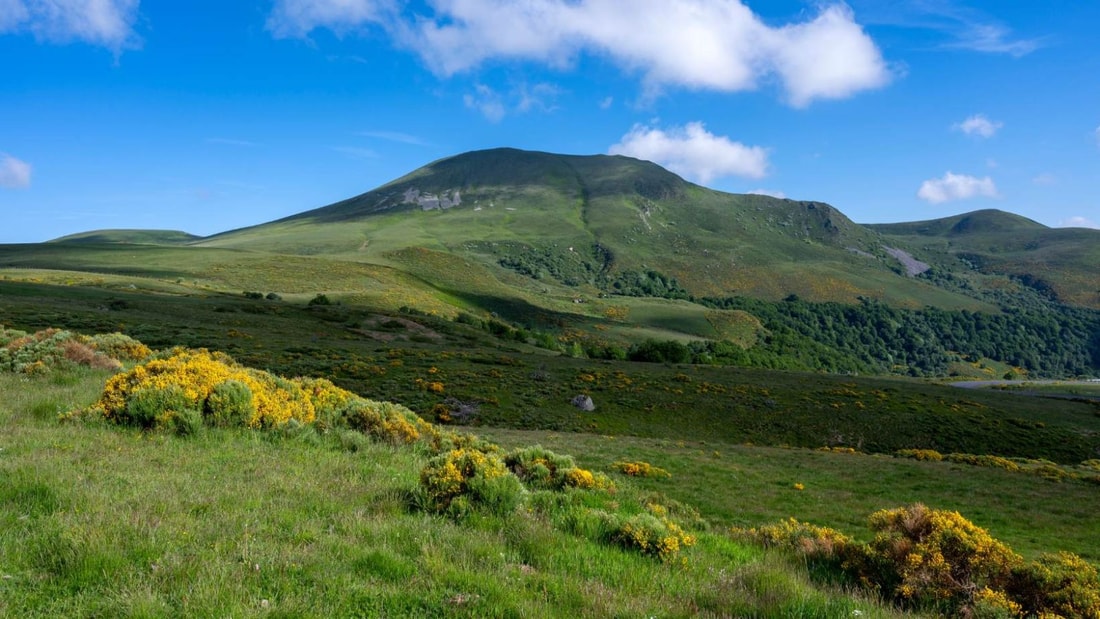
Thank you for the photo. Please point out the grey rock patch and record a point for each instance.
(913, 267)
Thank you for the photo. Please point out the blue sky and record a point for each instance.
(210, 115)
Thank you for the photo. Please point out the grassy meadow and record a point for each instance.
(103, 521)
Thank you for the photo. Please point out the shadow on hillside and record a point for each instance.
(520, 312)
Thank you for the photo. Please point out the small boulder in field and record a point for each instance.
(584, 403)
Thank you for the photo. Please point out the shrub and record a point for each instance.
(990, 461)
(153, 406)
(330, 403)
(936, 557)
(320, 299)
(47, 350)
(465, 479)
(196, 374)
(640, 469)
(1062, 584)
(229, 404)
(119, 346)
(541, 468)
(384, 421)
(187, 422)
(653, 535)
(584, 479)
(820, 544)
(928, 455)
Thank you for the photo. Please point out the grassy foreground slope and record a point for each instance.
(100, 520)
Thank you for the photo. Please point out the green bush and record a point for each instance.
(119, 346)
(51, 349)
(229, 404)
(150, 407)
(466, 480)
(187, 422)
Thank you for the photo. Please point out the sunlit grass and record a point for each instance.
(101, 520)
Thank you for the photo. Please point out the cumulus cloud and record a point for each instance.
(978, 125)
(14, 174)
(693, 152)
(107, 23)
(701, 44)
(956, 187)
(1079, 222)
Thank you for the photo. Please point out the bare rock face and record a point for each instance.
(913, 267)
(584, 403)
(431, 201)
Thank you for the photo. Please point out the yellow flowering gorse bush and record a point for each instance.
(189, 377)
(640, 469)
(653, 533)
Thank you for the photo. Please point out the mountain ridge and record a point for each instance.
(566, 218)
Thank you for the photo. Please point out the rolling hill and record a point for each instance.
(605, 252)
(586, 221)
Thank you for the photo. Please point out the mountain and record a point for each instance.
(1060, 263)
(609, 256)
(601, 224)
(140, 237)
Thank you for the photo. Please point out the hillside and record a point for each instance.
(1056, 262)
(584, 222)
(144, 237)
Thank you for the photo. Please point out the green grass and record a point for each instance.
(521, 387)
(99, 520)
(745, 486)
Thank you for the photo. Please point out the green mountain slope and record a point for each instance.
(144, 237)
(585, 222)
(1057, 262)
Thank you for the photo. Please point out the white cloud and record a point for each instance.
(1078, 222)
(609, 101)
(978, 125)
(993, 39)
(537, 97)
(487, 101)
(693, 152)
(828, 58)
(14, 174)
(1045, 179)
(107, 23)
(700, 44)
(297, 18)
(956, 187)
(1097, 136)
(768, 192)
(965, 28)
